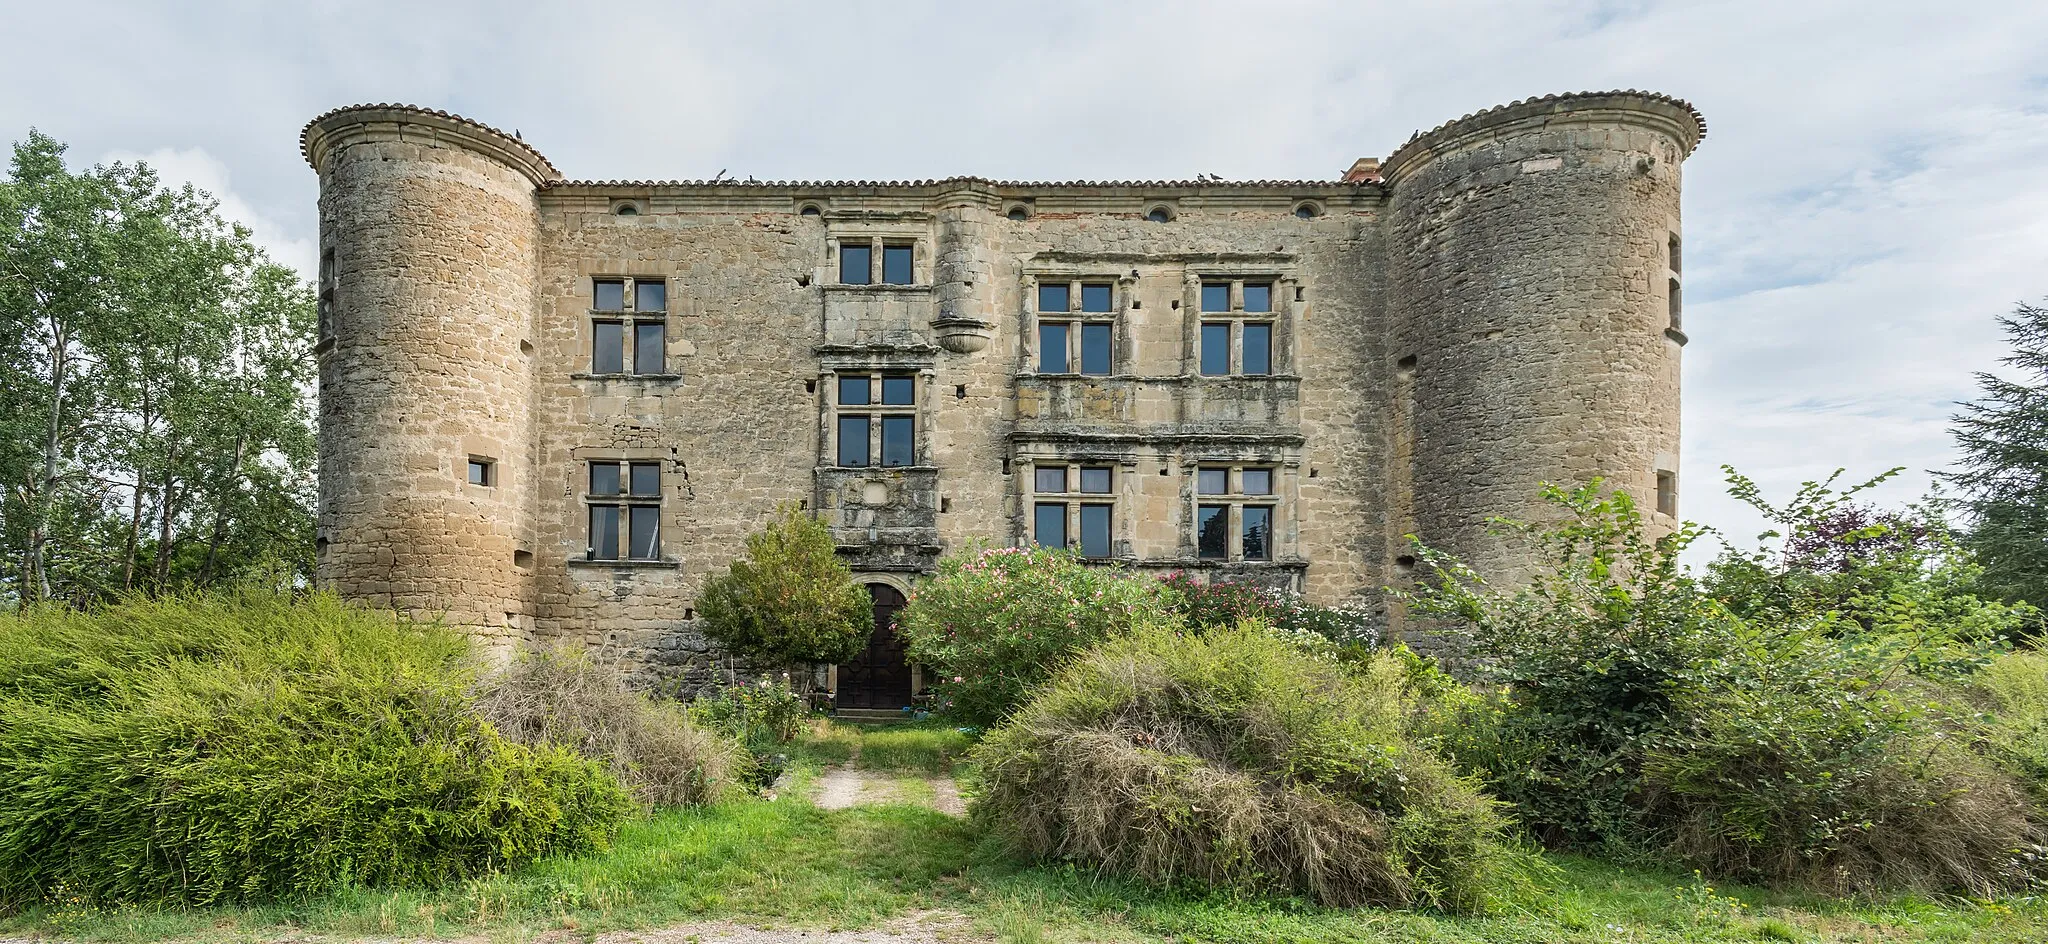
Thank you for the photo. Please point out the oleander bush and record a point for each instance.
(565, 699)
(1234, 761)
(995, 622)
(1734, 724)
(246, 746)
(1350, 627)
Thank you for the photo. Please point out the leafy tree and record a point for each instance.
(155, 373)
(2004, 477)
(789, 598)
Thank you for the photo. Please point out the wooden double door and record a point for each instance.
(879, 677)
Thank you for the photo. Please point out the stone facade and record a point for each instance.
(1493, 307)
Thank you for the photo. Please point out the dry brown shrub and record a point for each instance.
(565, 698)
(1234, 760)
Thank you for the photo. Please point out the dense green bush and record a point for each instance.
(2014, 688)
(789, 598)
(240, 747)
(994, 622)
(565, 699)
(1629, 709)
(1234, 760)
(1352, 627)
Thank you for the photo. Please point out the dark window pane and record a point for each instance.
(853, 440)
(1049, 524)
(650, 296)
(899, 391)
(604, 478)
(1258, 296)
(604, 532)
(479, 473)
(1212, 482)
(1095, 530)
(1052, 297)
(1052, 348)
(1049, 478)
(853, 391)
(1095, 349)
(1257, 481)
(896, 265)
(1095, 479)
(898, 441)
(608, 354)
(1212, 531)
(1215, 296)
(645, 531)
(610, 295)
(648, 351)
(1258, 349)
(1216, 349)
(646, 478)
(1258, 532)
(1095, 297)
(855, 264)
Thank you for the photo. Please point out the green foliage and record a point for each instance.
(562, 698)
(244, 747)
(1233, 760)
(994, 622)
(1352, 626)
(763, 714)
(2004, 476)
(2014, 690)
(155, 431)
(1627, 708)
(789, 598)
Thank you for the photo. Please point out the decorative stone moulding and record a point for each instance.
(963, 335)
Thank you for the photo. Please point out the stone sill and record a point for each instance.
(878, 288)
(581, 375)
(602, 314)
(1164, 378)
(625, 564)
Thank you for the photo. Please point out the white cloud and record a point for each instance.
(177, 167)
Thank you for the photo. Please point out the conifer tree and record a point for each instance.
(2004, 477)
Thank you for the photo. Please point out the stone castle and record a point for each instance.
(550, 408)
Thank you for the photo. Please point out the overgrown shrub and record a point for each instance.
(762, 716)
(1233, 760)
(2014, 689)
(1625, 708)
(996, 621)
(1351, 626)
(228, 748)
(789, 598)
(565, 699)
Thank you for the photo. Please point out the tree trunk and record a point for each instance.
(220, 511)
(38, 577)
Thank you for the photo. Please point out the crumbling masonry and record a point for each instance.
(550, 408)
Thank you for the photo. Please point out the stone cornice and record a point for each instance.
(1673, 116)
(391, 122)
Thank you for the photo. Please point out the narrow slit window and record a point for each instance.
(1677, 306)
(1667, 492)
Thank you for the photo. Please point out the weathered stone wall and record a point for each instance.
(1491, 316)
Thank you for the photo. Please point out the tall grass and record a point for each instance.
(238, 747)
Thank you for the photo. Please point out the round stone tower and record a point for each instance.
(1535, 257)
(429, 236)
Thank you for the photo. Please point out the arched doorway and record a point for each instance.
(879, 677)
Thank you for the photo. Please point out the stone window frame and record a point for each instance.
(1123, 471)
(487, 466)
(1283, 287)
(630, 318)
(1674, 285)
(878, 239)
(875, 410)
(1283, 499)
(626, 500)
(1121, 285)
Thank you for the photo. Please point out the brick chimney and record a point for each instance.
(1364, 170)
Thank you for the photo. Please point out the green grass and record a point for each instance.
(785, 862)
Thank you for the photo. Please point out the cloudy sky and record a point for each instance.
(1872, 192)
